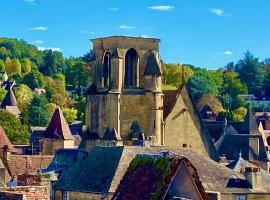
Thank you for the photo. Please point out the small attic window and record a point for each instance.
(185, 145)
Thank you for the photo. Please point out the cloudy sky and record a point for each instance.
(206, 33)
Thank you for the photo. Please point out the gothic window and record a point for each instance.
(131, 68)
(107, 69)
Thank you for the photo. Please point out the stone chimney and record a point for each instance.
(253, 176)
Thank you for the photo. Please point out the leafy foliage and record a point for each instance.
(39, 114)
(16, 132)
(34, 80)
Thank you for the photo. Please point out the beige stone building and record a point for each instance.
(127, 97)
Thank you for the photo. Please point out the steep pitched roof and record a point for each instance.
(58, 127)
(4, 141)
(106, 166)
(152, 67)
(146, 179)
(185, 93)
(10, 99)
(111, 135)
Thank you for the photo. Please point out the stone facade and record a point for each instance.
(50, 146)
(126, 92)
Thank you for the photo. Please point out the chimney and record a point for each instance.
(253, 176)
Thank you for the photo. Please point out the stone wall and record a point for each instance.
(182, 128)
(50, 146)
(248, 196)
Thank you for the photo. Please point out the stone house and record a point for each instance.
(57, 135)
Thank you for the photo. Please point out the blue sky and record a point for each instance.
(206, 33)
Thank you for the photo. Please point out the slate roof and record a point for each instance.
(58, 128)
(106, 166)
(4, 141)
(184, 92)
(10, 99)
(63, 158)
(10, 103)
(152, 66)
(144, 179)
(239, 164)
(21, 164)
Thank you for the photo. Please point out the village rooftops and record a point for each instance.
(105, 167)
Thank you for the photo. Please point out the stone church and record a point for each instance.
(127, 97)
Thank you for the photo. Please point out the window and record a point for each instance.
(240, 197)
(65, 195)
(107, 69)
(131, 68)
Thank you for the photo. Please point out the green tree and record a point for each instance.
(2, 65)
(232, 87)
(2, 94)
(56, 91)
(70, 114)
(251, 73)
(173, 73)
(200, 85)
(16, 132)
(26, 65)
(239, 114)
(13, 66)
(34, 80)
(24, 96)
(39, 114)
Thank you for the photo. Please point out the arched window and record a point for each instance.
(131, 68)
(107, 69)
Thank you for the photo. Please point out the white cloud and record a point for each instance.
(126, 27)
(39, 28)
(86, 32)
(161, 8)
(114, 9)
(217, 11)
(47, 48)
(29, 1)
(228, 53)
(39, 41)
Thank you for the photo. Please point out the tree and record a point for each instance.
(173, 73)
(24, 96)
(13, 66)
(16, 132)
(26, 65)
(2, 94)
(200, 85)
(39, 114)
(34, 80)
(56, 91)
(251, 73)
(2, 65)
(239, 114)
(231, 88)
(54, 63)
(70, 114)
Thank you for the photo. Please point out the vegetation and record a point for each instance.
(16, 132)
